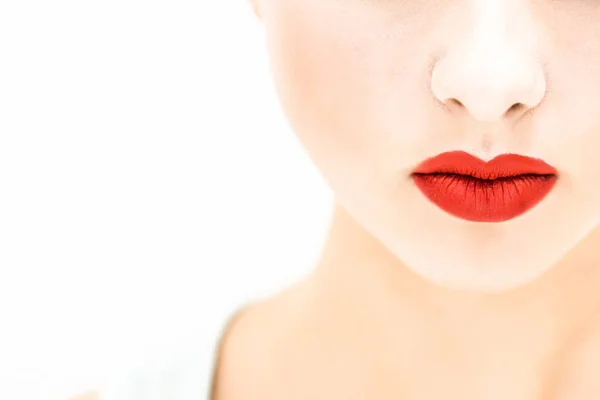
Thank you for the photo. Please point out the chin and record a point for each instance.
(471, 261)
(490, 258)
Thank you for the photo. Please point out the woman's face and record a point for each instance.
(374, 87)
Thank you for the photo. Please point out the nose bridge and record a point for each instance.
(492, 67)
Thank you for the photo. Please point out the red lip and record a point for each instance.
(469, 188)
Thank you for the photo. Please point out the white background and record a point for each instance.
(147, 176)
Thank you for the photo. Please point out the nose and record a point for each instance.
(491, 74)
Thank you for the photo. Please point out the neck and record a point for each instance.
(356, 269)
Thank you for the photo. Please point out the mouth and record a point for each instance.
(471, 189)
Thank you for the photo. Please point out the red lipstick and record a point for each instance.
(469, 188)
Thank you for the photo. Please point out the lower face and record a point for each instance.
(375, 88)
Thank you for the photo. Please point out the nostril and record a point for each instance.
(515, 107)
(452, 102)
(456, 102)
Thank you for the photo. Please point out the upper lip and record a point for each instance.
(503, 166)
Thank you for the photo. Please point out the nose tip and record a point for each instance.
(488, 90)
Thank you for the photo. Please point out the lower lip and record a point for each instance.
(482, 200)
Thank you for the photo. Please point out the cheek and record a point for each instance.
(568, 124)
(325, 78)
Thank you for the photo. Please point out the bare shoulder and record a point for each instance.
(250, 347)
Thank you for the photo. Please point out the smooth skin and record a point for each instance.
(406, 301)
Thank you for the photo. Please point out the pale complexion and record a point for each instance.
(406, 301)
